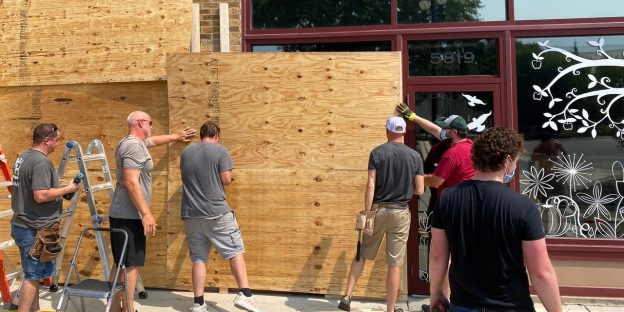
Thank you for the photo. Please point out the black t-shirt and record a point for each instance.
(395, 166)
(485, 223)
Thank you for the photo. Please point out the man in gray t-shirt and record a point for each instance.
(201, 166)
(129, 208)
(36, 203)
(208, 220)
(395, 174)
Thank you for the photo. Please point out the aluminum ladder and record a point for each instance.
(95, 154)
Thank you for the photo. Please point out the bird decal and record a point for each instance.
(472, 100)
(477, 123)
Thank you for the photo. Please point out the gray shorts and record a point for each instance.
(222, 232)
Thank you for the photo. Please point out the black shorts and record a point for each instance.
(135, 251)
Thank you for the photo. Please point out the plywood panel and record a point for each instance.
(300, 128)
(88, 41)
(84, 113)
(297, 237)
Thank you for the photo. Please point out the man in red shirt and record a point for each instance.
(455, 165)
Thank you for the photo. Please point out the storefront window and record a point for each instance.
(571, 112)
(438, 11)
(374, 46)
(560, 9)
(453, 57)
(268, 14)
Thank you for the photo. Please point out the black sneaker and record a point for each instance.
(425, 308)
(345, 304)
(398, 309)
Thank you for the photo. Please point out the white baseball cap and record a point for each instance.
(395, 124)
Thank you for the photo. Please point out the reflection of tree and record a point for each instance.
(452, 11)
(319, 13)
(337, 47)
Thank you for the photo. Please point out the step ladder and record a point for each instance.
(95, 154)
(7, 279)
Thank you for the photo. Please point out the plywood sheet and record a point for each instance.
(300, 128)
(84, 113)
(88, 41)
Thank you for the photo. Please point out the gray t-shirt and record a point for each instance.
(202, 191)
(396, 166)
(34, 171)
(131, 153)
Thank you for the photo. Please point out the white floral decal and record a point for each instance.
(597, 202)
(571, 170)
(537, 182)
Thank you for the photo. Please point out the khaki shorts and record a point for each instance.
(394, 224)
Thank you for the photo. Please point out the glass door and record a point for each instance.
(480, 105)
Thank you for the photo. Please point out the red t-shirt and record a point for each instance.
(455, 165)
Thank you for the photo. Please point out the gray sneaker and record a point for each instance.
(199, 308)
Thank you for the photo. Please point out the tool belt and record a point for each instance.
(365, 220)
(47, 245)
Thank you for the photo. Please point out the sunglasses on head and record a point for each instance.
(54, 128)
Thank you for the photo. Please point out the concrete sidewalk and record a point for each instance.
(166, 300)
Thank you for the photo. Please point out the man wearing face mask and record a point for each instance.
(454, 165)
(496, 232)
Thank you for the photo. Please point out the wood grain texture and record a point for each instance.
(88, 41)
(299, 128)
(84, 113)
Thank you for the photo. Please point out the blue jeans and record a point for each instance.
(33, 269)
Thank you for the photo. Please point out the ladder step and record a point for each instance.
(6, 213)
(7, 244)
(100, 187)
(5, 196)
(6, 183)
(89, 157)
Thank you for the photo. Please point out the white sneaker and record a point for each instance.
(246, 303)
(199, 308)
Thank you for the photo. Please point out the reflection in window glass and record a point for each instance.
(452, 57)
(559, 9)
(269, 14)
(438, 11)
(325, 47)
(571, 113)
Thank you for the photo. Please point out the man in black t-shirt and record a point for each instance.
(395, 174)
(491, 231)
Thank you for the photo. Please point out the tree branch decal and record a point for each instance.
(606, 96)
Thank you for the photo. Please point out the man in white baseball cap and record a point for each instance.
(395, 174)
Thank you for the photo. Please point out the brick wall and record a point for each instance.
(209, 23)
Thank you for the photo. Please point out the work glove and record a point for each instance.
(407, 113)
